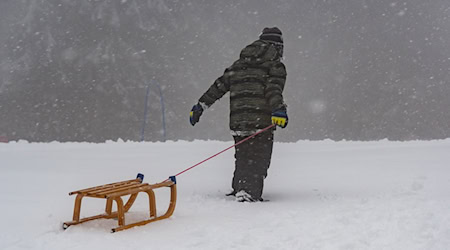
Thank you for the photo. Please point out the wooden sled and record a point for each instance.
(114, 192)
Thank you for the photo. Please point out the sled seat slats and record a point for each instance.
(105, 187)
(114, 191)
(108, 192)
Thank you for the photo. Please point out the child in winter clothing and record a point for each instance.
(255, 82)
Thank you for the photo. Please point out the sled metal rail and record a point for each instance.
(114, 192)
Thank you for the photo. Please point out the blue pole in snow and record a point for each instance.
(145, 113)
(163, 116)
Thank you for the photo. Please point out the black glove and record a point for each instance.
(280, 118)
(195, 114)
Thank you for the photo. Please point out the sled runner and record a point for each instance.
(114, 192)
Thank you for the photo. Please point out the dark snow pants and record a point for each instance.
(252, 162)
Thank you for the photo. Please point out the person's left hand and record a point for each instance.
(280, 118)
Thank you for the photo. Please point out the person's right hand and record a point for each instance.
(195, 114)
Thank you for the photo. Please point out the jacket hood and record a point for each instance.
(260, 51)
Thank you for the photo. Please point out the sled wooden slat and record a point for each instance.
(112, 189)
(102, 187)
(113, 192)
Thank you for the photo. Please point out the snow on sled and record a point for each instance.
(114, 192)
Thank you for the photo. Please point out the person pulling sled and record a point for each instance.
(255, 82)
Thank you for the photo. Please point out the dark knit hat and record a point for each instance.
(272, 34)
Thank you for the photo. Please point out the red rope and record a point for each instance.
(244, 140)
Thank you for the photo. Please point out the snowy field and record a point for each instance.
(323, 195)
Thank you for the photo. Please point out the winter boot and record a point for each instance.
(243, 196)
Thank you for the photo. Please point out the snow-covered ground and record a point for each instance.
(323, 195)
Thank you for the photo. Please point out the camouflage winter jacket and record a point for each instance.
(256, 82)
